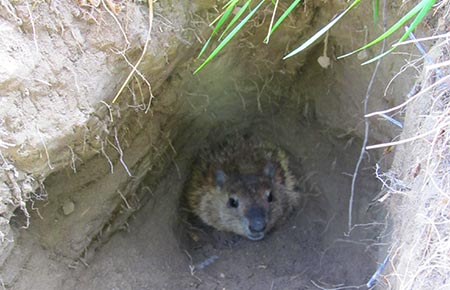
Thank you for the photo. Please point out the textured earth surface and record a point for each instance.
(91, 191)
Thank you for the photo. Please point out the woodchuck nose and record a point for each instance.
(242, 186)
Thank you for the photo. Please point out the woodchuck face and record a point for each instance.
(246, 204)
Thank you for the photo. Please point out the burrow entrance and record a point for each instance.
(115, 221)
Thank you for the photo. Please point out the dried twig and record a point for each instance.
(408, 139)
(422, 92)
(446, 35)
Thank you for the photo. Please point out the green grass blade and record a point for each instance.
(282, 17)
(204, 47)
(226, 7)
(428, 4)
(235, 18)
(228, 3)
(222, 20)
(229, 37)
(376, 10)
(322, 31)
(391, 30)
(225, 16)
(379, 56)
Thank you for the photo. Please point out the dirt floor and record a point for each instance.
(312, 247)
(92, 192)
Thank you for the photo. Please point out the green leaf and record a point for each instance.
(322, 31)
(225, 16)
(235, 18)
(375, 10)
(229, 37)
(204, 47)
(391, 30)
(282, 17)
(427, 5)
(228, 3)
(379, 56)
(222, 20)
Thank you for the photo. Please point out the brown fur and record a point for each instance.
(242, 185)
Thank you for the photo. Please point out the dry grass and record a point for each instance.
(420, 254)
(425, 259)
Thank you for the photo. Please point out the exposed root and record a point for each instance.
(33, 27)
(144, 50)
(45, 149)
(107, 7)
(420, 257)
(366, 129)
(120, 151)
(18, 199)
(111, 165)
(11, 11)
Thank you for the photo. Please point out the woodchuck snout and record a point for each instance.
(243, 186)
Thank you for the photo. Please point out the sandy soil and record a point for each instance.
(311, 246)
(105, 182)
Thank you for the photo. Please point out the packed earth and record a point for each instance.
(102, 121)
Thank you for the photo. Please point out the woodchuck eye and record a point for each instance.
(269, 196)
(233, 202)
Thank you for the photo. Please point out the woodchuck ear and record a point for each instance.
(269, 170)
(220, 178)
(215, 177)
(274, 172)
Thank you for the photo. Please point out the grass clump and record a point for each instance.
(226, 22)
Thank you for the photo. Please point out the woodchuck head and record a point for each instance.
(247, 204)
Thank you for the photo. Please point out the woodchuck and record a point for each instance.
(242, 186)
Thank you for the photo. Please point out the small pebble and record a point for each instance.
(68, 207)
(362, 55)
(324, 61)
(206, 262)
